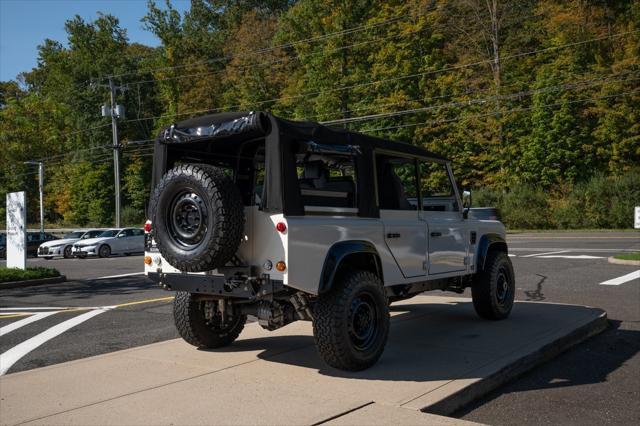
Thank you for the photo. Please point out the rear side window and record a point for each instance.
(397, 183)
(327, 179)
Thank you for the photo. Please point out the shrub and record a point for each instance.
(14, 274)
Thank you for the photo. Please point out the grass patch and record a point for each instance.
(628, 256)
(15, 274)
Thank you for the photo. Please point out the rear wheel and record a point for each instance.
(351, 321)
(104, 251)
(200, 323)
(494, 288)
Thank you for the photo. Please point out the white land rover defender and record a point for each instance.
(251, 214)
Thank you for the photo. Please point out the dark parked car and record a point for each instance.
(484, 213)
(34, 239)
(3, 246)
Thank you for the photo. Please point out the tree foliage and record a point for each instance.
(527, 94)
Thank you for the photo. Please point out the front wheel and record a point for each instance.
(104, 251)
(67, 252)
(351, 321)
(493, 290)
(200, 323)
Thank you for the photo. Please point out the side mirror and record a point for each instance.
(466, 203)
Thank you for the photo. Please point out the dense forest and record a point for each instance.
(536, 102)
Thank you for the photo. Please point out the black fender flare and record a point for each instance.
(338, 252)
(488, 242)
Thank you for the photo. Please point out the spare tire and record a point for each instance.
(197, 216)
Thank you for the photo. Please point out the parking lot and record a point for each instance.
(108, 305)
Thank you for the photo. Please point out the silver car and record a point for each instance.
(62, 247)
(112, 241)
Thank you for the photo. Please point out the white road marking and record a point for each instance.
(512, 255)
(118, 276)
(581, 256)
(544, 254)
(10, 357)
(577, 249)
(25, 321)
(623, 279)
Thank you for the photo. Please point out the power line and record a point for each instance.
(398, 78)
(444, 121)
(566, 86)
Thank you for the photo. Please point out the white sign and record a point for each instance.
(16, 230)
(636, 222)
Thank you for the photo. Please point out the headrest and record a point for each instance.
(314, 169)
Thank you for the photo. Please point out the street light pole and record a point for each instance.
(41, 189)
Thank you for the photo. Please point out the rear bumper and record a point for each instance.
(217, 285)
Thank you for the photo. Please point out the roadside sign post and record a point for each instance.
(16, 230)
(636, 222)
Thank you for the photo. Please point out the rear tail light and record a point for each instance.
(281, 227)
(147, 226)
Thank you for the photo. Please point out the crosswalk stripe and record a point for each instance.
(635, 275)
(13, 355)
(26, 321)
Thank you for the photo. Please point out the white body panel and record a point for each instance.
(305, 244)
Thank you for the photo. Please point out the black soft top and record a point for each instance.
(229, 130)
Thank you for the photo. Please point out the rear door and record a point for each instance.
(404, 231)
(448, 235)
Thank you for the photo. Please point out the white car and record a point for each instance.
(112, 241)
(51, 249)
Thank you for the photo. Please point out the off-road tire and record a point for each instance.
(334, 318)
(104, 251)
(488, 286)
(221, 215)
(191, 323)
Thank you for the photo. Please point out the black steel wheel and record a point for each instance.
(67, 252)
(200, 324)
(104, 251)
(351, 321)
(494, 288)
(198, 217)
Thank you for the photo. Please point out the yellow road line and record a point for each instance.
(140, 302)
(121, 305)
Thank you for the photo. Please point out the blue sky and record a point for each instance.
(24, 24)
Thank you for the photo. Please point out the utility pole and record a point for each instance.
(40, 165)
(115, 111)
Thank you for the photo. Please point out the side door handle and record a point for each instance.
(393, 235)
(436, 234)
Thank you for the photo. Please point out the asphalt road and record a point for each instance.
(596, 382)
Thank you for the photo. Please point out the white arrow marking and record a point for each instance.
(13, 355)
(26, 321)
(623, 279)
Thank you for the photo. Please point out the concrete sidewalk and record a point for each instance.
(440, 356)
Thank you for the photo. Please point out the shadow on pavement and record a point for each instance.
(589, 363)
(82, 289)
(430, 342)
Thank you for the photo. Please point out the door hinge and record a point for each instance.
(467, 260)
(473, 237)
(425, 265)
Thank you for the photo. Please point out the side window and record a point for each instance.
(138, 232)
(327, 180)
(435, 187)
(397, 186)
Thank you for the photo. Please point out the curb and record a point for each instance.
(29, 283)
(624, 262)
(457, 400)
